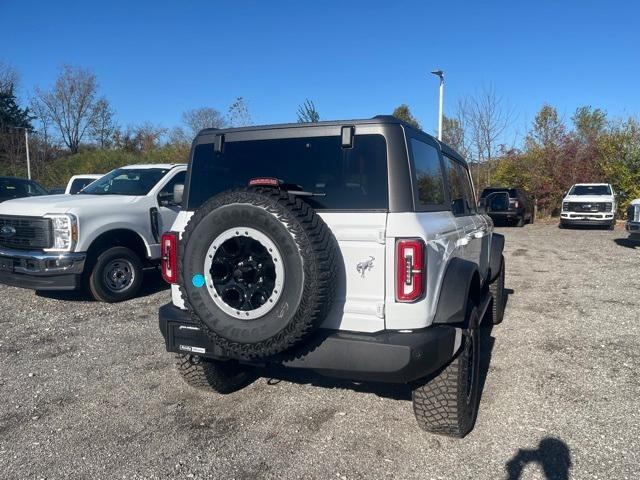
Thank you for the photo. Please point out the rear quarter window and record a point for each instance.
(339, 178)
(428, 173)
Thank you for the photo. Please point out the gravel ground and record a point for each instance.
(87, 389)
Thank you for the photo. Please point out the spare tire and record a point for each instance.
(257, 270)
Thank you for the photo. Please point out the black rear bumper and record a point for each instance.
(387, 356)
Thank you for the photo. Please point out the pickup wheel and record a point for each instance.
(448, 403)
(520, 221)
(496, 288)
(116, 275)
(222, 377)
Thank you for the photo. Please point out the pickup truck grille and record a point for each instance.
(589, 207)
(25, 233)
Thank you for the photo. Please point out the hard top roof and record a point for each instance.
(377, 120)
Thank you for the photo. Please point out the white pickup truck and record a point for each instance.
(101, 238)
(589, 204)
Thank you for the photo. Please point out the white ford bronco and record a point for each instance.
(589, 204)
(102, 238)
(353, 249)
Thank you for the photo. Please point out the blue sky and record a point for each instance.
(353, 59)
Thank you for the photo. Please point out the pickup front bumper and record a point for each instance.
(40, 270)
(387, 356)
(632, 227)
(574, 218)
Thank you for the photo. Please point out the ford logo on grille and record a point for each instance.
(7, 231)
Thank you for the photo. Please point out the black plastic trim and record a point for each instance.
(495, 259)
(33, 282)
(454, 292)
(387, 356)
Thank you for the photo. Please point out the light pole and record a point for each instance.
(26, 147)
(440, 75)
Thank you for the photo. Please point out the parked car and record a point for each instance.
(508, 205)
(101, 238)
(633, 219)
(354, 249)
(78, 182)
(11, 187)
(589, 204)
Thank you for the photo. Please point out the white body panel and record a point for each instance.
(97, 214)
(366, 303)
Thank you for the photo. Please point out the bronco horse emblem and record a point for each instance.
(362, 267)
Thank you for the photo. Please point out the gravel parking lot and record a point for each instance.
(87, 389)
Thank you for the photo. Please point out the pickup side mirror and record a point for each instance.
(178, 191)
(171, 199)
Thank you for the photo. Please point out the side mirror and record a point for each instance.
(178, 191)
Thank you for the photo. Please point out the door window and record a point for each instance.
(456, 185)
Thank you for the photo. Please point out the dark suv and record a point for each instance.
(508, 205)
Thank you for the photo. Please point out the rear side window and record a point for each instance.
(460, 189)
(339, 178)
(428, 171)
(79, 183)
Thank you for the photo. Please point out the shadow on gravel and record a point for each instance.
(627, 242)
(553, 456)
(306, 377)
(152, 284)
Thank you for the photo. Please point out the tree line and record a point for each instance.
(553, 155)
(74, 129)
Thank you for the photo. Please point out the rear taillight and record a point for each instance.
(169, 259)
(410, 269)
(514, 203)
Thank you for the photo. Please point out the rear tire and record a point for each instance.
(520, 221)
(222, 377)
(116, 275)
(448, 403)
(496, 288)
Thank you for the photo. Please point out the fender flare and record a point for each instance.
(495, 258)
(456, 289)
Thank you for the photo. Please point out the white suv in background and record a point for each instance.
(589, 204)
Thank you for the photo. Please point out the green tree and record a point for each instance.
(453, 134)
(307, 112)
(402, 112)
(589, 123)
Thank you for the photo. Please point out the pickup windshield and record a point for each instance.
(590, 190)
(330, 176)
(126, 181)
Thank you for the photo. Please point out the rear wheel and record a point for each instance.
(448, 403)
(222, 377)
(116, 275)
(520, 221)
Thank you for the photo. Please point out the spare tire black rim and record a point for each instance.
(244, 273)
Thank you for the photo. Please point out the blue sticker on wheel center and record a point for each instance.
(198, 280)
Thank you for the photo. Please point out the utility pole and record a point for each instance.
(440, 75)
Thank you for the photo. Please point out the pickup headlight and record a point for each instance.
(565, 206)
(65, 232)
(608, 206)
